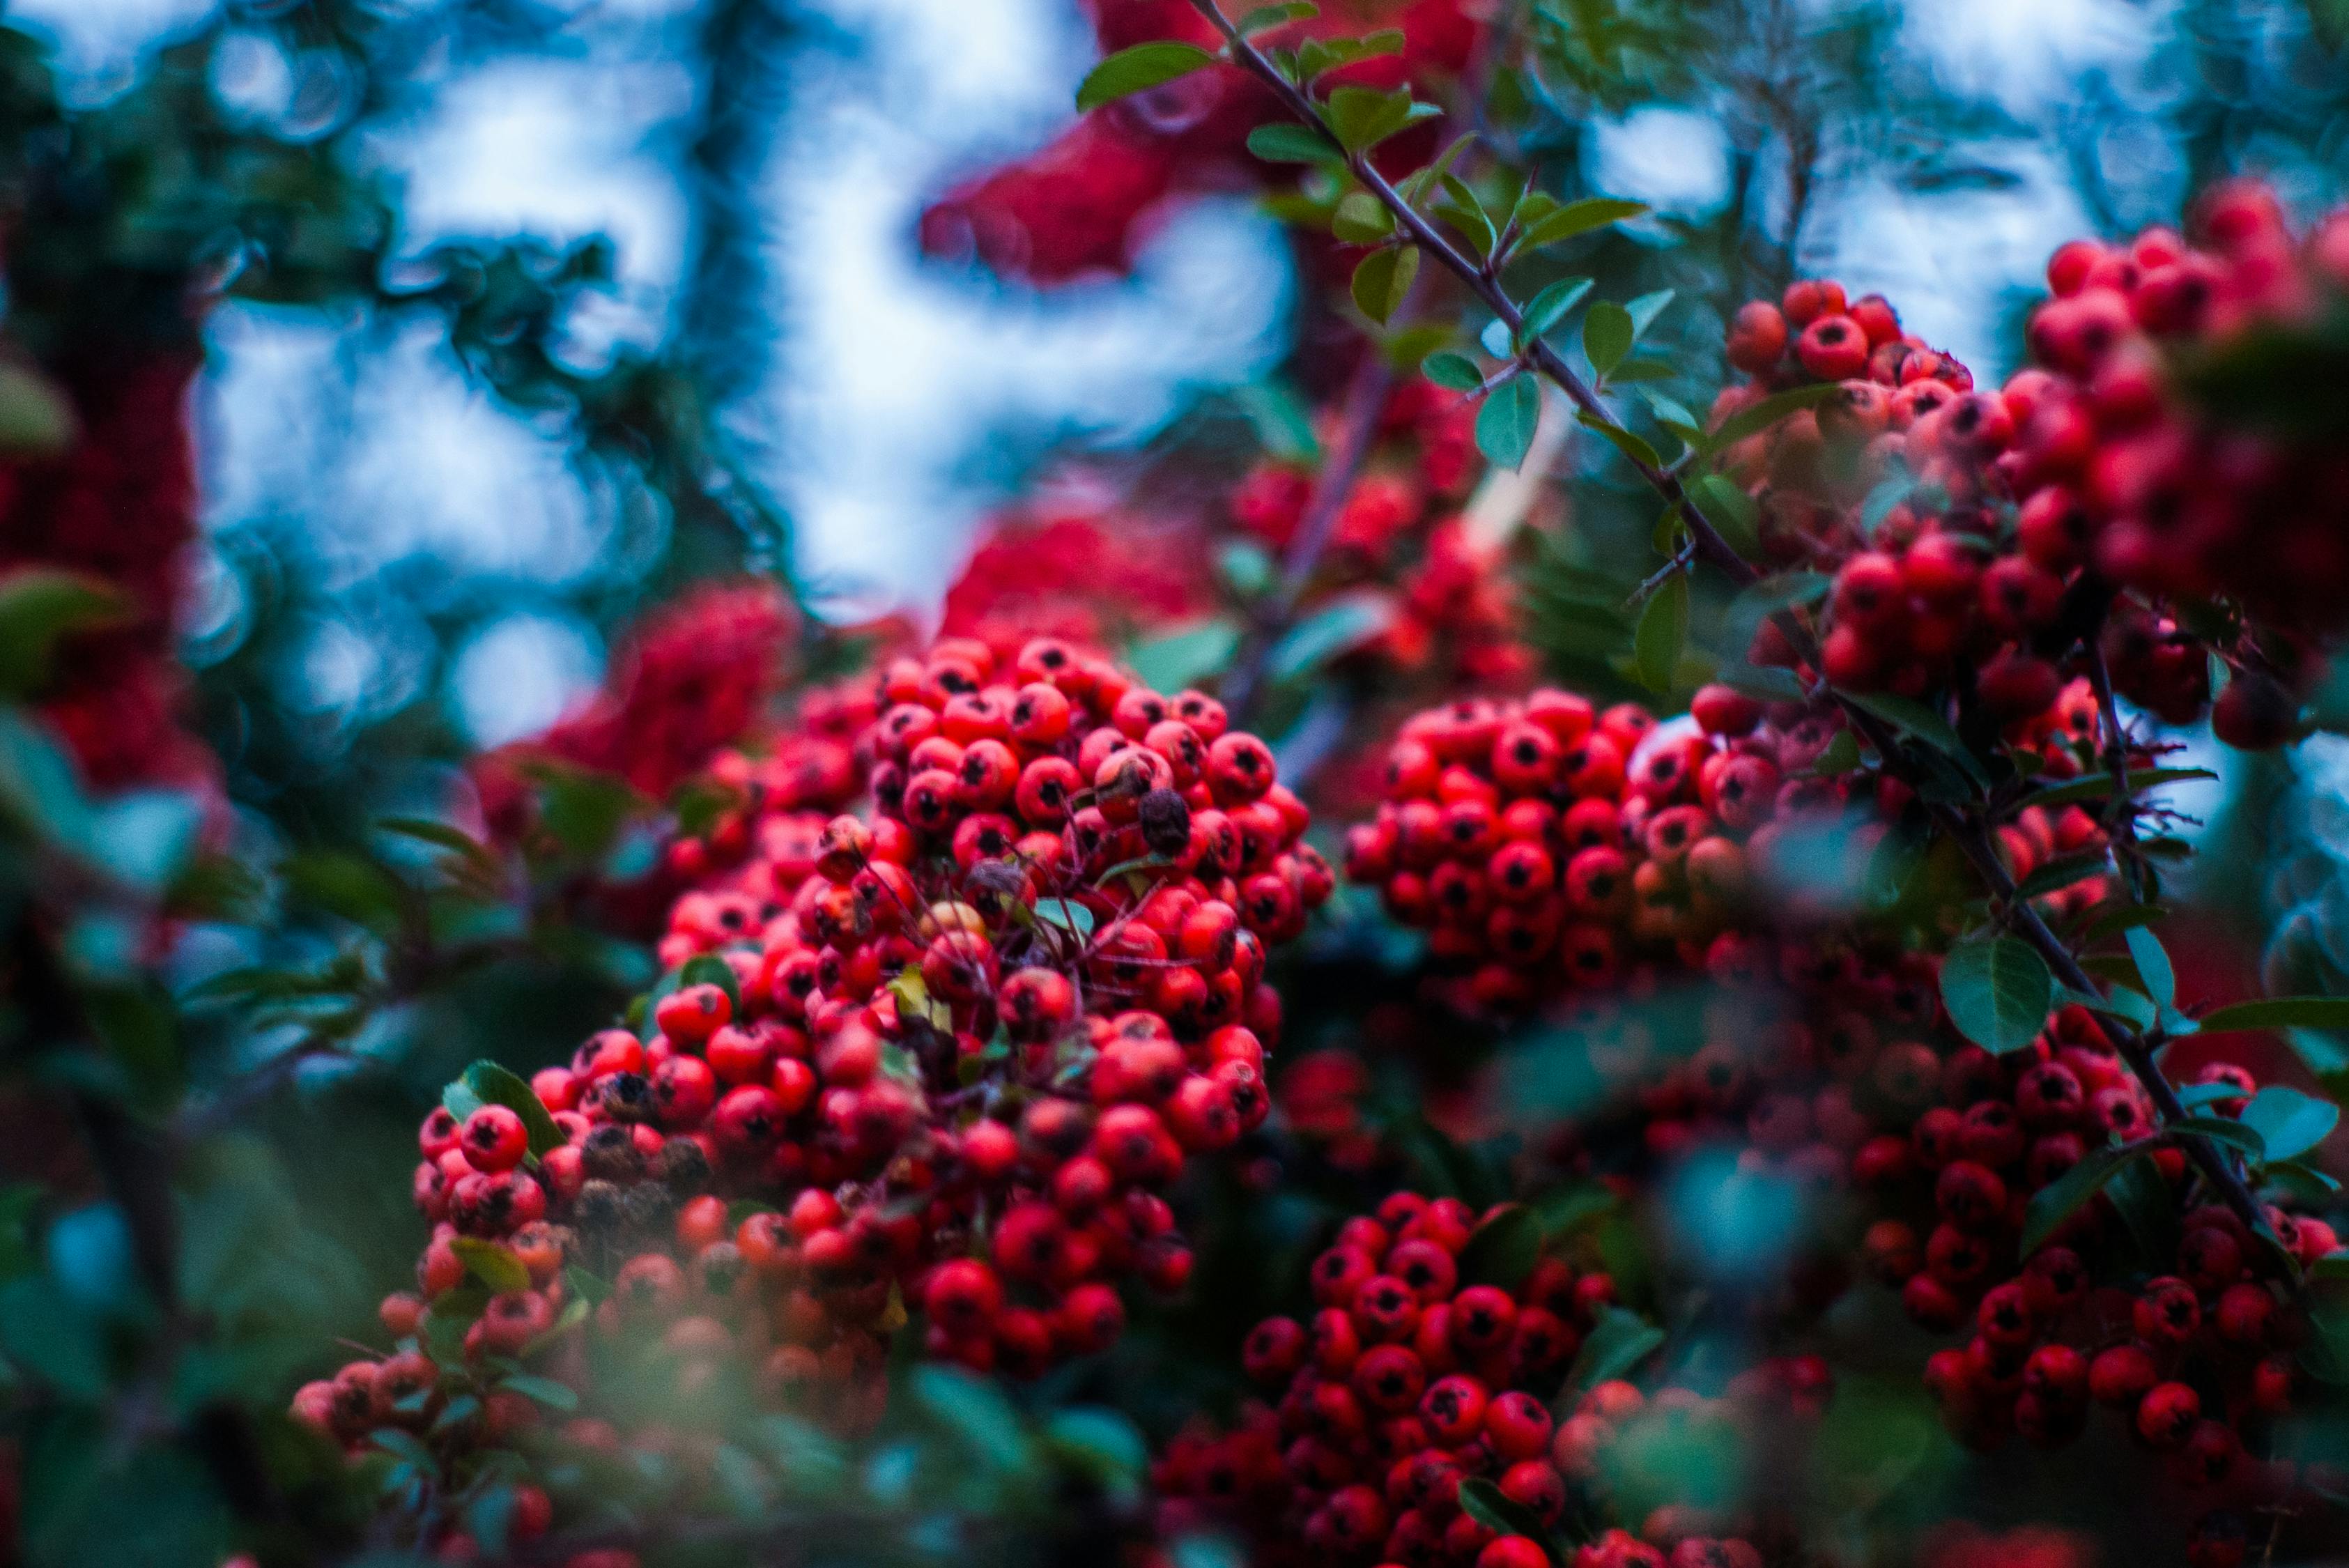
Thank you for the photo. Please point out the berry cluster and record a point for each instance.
(1547, 846)
(117, 503)
(2168, 496)
(1412, 1379)
(2046, 1337)
(696, 676)
(1083, 205)
(944, 1059)
(1076, 568)
(1400, 530)
(1896, 482)
(2174, 500)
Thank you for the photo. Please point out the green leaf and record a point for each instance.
(1619, 1342)
(1381, 279)
(1246, 567)
(976, 1412)
(1339, 626)
(1661, 633)
(2061, 1198)
(1361, 219)
(1138, 69)
(440, 834)
(1465, 213)
(1070, 915)
(1102, 1445)
(2281, 1012)
(1606, 336)
(2124, 1002)
(2290, 1122)
(1732, 514)
(1578, 218)
(2143, 1199)
(485, 1083)
(39, 607)
(1363, 117)
(1644, 310)
(1842, 755)
(37, 417)
(1919, 722)
(1287, 143)
(1621, 439)
(2304, 1183)
(1753, 420)
(543, 1390)
(1497, 1510)
(1998, 992)
(1505, 425)
(1453, 372)
(2218, 1129)
(1415, 185)
(1503, 1250)
(1406, 346)
(1551, 306)
(2061, 872)
(147, 837)
(2152, 965)
(1266, 17)
(2096, 786)
(1185, 658)
(493, 1265)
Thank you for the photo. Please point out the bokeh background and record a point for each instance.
(427, 521)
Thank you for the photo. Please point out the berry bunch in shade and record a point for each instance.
(2066, 1324)
(1076, 567)
(944, 1060)
(1549, 847)
(1413, 1378)
(1083, 205)
(115, 502)
(1400, 530)
(2028, 1546)
(696, 677)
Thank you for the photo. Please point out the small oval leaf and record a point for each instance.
(1998, 993)
(1138, 69)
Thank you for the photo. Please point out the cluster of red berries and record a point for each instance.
(1897, 482)
(2170, 498)
(1083, 205)
(2173, 498)
(947, 1058)
(1077, 568)
(2046, 1337)
(1545, 845)
(696, 677)
(1399, 530)
(117, 503)
(1411, 1379)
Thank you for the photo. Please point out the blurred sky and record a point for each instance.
(901, 398)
